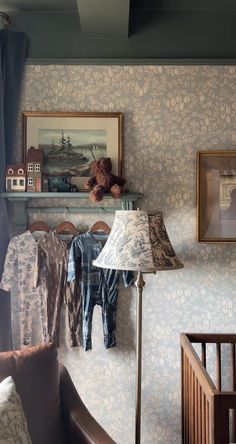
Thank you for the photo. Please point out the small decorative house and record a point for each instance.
(16, 177)
(34, 166)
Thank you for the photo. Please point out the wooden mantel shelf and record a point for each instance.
(23, 203)
(130, 197)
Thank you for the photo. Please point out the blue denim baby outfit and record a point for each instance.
(98, 286)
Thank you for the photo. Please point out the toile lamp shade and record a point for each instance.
(138, 242)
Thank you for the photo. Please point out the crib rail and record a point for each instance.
(205, 407)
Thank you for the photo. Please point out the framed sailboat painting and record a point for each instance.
(71, 141)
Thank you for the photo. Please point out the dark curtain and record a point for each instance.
(12, 57)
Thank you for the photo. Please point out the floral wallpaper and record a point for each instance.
(170, 113)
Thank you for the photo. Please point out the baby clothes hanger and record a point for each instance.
(39, 226)
(100, 226)
(66, 227)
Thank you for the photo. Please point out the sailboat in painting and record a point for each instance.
(71, 152)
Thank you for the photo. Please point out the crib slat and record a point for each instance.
(187, 402)
(233, 388)
(204, 354)
(218, 366)
(203, 420)
(185, 395)
(196, 410)
(183, 391)
(190, 405)
(192, 410)
(233, 366)
(188, 408)
(207, 423)
(199, 414)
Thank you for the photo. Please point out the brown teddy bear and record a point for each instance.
(103, 181)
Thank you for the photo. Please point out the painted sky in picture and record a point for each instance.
(79, 137)
(71, 151)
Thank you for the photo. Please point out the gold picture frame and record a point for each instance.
(216, 196)
(72, 140)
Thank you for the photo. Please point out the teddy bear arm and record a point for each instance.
(119, 180)
(90, 182)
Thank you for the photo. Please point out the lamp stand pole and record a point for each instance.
(139, 285)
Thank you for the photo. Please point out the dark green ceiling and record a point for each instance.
(70, 5)
(189, 5)
(126, 31)
(38, 5)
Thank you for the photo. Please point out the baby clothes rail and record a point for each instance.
(42, 270)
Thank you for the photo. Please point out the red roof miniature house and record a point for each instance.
(16, 177)
(34, 165)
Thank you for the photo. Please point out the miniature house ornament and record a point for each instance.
(16, 177)
(34, 166)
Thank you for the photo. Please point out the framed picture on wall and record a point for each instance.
(216, 196)
(71, 141)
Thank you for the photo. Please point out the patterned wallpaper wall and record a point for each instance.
(169, 114)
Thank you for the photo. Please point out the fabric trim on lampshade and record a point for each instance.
(164, 256)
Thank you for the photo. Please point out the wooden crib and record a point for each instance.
(208, 415)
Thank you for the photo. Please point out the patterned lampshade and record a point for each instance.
(138, 242)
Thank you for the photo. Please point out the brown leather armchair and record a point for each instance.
(55, 413)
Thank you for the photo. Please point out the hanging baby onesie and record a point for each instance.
(98, 286)
(53, 255)
(27, 303)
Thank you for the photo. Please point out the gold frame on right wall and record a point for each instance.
(216, 196)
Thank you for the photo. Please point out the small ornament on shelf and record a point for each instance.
(61, 182)
(16, 177)
(34, 165)
(45, 183)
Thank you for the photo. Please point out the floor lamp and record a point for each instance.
(138, 242)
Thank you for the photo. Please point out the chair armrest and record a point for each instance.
(81, 426)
